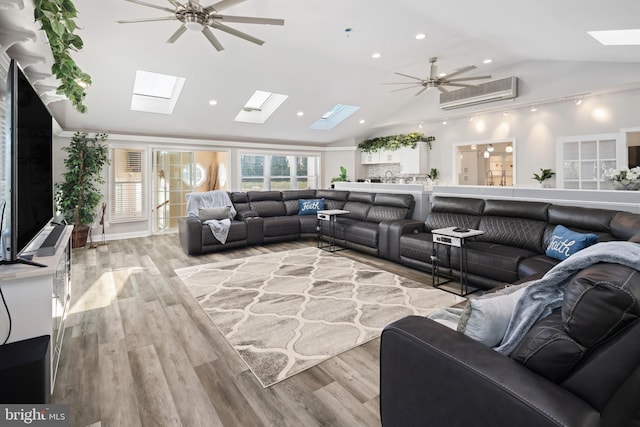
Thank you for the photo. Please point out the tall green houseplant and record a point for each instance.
(78, 195)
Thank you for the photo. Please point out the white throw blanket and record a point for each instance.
(211, 199)
(544, 295)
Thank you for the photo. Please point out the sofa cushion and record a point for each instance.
(492, 260)
(607, 292)
(576, 217)
(255, 196)
(486, 318)
(308, 223)
(362, 197)
(310, 206)
(461, 205)
(268, 208)
(357, 210)
(538, 264)
(281, 226)
(565, 242)
(395, 200)
(517, 209)
(517, 232)
(624, 225)
(386, 213)
(361, 233)
(291, 197)
(548, 350)
(419, 246)
(205, 214)
(240, 201)
(436, 220)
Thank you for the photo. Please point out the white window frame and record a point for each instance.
(143, 215)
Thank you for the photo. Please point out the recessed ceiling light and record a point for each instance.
(505, 113)
(487, 61)
(578, 101)
(420, 36)
(444, 122)
(617, 37)
(213, 102)
(362, 121)
(300, 113)
(471, 118)
(376, 55)
(534, 108)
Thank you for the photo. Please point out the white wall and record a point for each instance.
(535, 132)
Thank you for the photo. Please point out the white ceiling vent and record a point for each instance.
(496, 90)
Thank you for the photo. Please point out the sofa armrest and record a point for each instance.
(190, 235)
(243, 215)
(432, 375)
(396, 230)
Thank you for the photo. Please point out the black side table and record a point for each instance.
(329, 215)
(447, 237)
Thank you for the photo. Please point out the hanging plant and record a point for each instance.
(394, 142)
(56, 19)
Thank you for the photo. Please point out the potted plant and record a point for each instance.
(78, 196)
(433, 175)
(543, 176)
(342, 177)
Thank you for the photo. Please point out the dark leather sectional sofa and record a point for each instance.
(516, 235)
(272, 216)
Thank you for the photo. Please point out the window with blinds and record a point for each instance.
(127, 185)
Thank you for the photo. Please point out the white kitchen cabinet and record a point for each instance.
(415, 160)
(370, 158)
(390, 156)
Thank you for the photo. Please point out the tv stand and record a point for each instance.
(38, 299)
(22, 261)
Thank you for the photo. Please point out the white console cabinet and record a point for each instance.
(38, 299)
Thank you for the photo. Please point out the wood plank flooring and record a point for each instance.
(139, 351)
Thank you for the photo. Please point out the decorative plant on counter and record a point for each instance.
(77, 196)
(57, 20)
(342, 177)
(433, 175)
(394, 142)
(544, 175)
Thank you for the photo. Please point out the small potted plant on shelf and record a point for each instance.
(624, 179)
(78, 196)
(340, 178)
(544, 175)
(432, 176)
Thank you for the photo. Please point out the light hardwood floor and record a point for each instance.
(138, 350)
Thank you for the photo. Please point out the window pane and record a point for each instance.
(252, 165)
(279, 166)
(281, 183)
(301, 166)
(249, 184)
(127, 185)
(303, 183)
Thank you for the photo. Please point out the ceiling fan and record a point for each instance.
(194, 16)
(434, 80)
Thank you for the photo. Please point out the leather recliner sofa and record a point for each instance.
(579, 366)
(272, 216)
(516, 235)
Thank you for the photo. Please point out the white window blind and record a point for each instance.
(128, 199)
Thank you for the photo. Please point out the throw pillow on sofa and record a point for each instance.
(565, 242)
(310, 206)
(206, 214)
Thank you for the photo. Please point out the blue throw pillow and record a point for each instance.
(565, 242)
(310, 206)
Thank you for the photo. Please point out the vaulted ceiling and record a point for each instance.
(318, 64)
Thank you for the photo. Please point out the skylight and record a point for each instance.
(260, 107)
(617, 37)
(334, 116)
(156, 93)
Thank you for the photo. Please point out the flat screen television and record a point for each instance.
(28, 164)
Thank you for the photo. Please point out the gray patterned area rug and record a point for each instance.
(286, 312)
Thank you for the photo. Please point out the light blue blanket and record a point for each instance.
(211, 199)
(544, 295)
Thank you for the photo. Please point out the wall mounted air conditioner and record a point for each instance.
(496, 90)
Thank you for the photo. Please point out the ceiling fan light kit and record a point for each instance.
(193, 16)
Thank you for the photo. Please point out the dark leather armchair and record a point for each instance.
(580, 366)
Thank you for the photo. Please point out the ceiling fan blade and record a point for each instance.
(462, 70)
(212, 39)
(237, 33)
(221, 5)
(422, 90)
(459, 79)
(177, 34)
(249, 20)
(442, 89)
(166, 9)
(175, 3)
(411, 77)
(402, 88)
(133, 21)
(403, 83)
